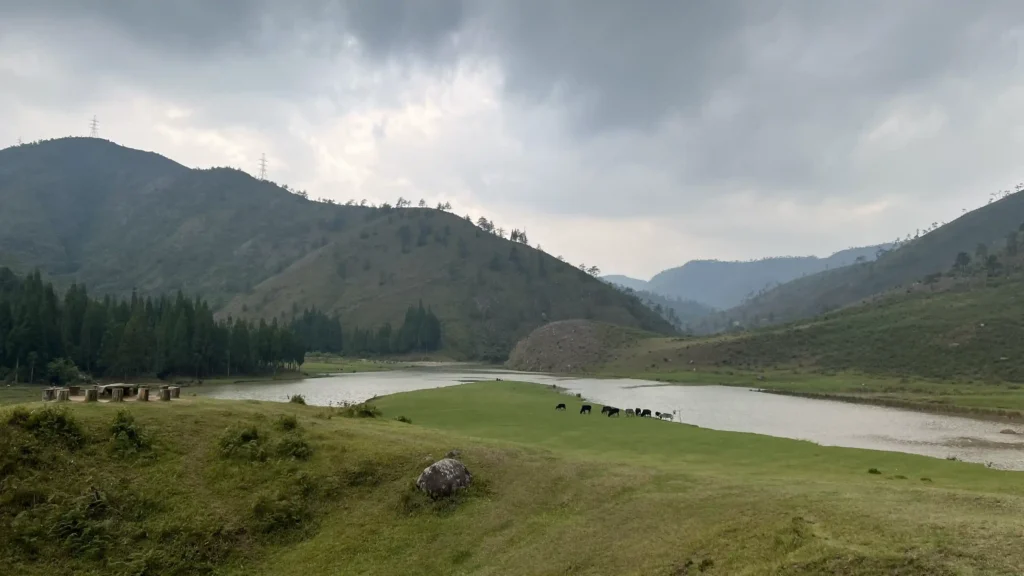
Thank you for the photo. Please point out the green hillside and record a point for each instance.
(87, 210)
(935, 251)
(197, 486)
(957, 334)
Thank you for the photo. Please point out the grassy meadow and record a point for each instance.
(320, 365)
(229, 487)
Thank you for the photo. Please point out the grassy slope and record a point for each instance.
(951, 335)
(487, 297)
(557, 493)
(944, 351)
(83, 209)
(933, 252)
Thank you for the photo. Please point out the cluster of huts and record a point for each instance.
(111, 393)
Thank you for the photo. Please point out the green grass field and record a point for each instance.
(316, 365)
(555, 493)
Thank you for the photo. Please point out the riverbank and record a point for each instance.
(996, 401)
(306, 492)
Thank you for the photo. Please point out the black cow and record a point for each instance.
(585, 409)
(646, 413)
(638, 411)
(613, 412)
(560, 407)
(605, 409)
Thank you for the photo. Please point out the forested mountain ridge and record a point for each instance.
(88, 210)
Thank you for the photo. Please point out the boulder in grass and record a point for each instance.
(443, 478)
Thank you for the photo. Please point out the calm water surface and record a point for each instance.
(717, 407)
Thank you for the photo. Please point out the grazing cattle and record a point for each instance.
(560, 407)
(637, 410)
(657, 414)
(585, 409)
(630, 412)
(605, 409)
(665, 416)
(646, 413)
(613, 412)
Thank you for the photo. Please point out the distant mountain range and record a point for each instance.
(723, 285)
(977, 236)
(123, 220)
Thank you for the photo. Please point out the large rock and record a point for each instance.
(443, 478)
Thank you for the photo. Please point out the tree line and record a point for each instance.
(420, 331)
(41, 334)
(46, 337)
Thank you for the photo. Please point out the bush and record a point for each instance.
(363, 410)
(278, 513)
(62, 371)
(243, 442)
(874, 471)
(49, 424)
(293, 447)
(287, 423)
(126, 436)
(297, 399)
(404, 419)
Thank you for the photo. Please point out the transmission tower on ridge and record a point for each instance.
(263, 167)
(94, 128)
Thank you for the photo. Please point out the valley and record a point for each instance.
(505, 288)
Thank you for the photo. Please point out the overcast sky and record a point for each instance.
(632, 135)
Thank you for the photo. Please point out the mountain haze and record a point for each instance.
(626, 282)
(721, 284)
(931, 253)
(88, 210)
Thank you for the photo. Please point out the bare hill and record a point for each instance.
(572, 346)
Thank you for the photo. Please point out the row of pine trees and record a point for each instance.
(420, 332)
(41, 332)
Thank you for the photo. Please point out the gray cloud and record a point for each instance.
(643, 109)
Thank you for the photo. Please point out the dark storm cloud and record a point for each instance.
(692, 95)
(772, 93)
(207, 28)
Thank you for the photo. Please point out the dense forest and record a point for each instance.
(419, 332)
(46, 337)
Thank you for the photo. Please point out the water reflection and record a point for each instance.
(716, 407)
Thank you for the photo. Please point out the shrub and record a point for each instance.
(62, 371)
(126, 436)
(297, 399)
(278, 513)
(363, 410)
(83, 528)
(404, 419)
(49, 424)
(244, 442)
(293, 447)
(287, 423)
(874, 471)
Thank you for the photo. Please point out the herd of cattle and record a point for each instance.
(612, 411)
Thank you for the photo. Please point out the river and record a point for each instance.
(716, 407)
